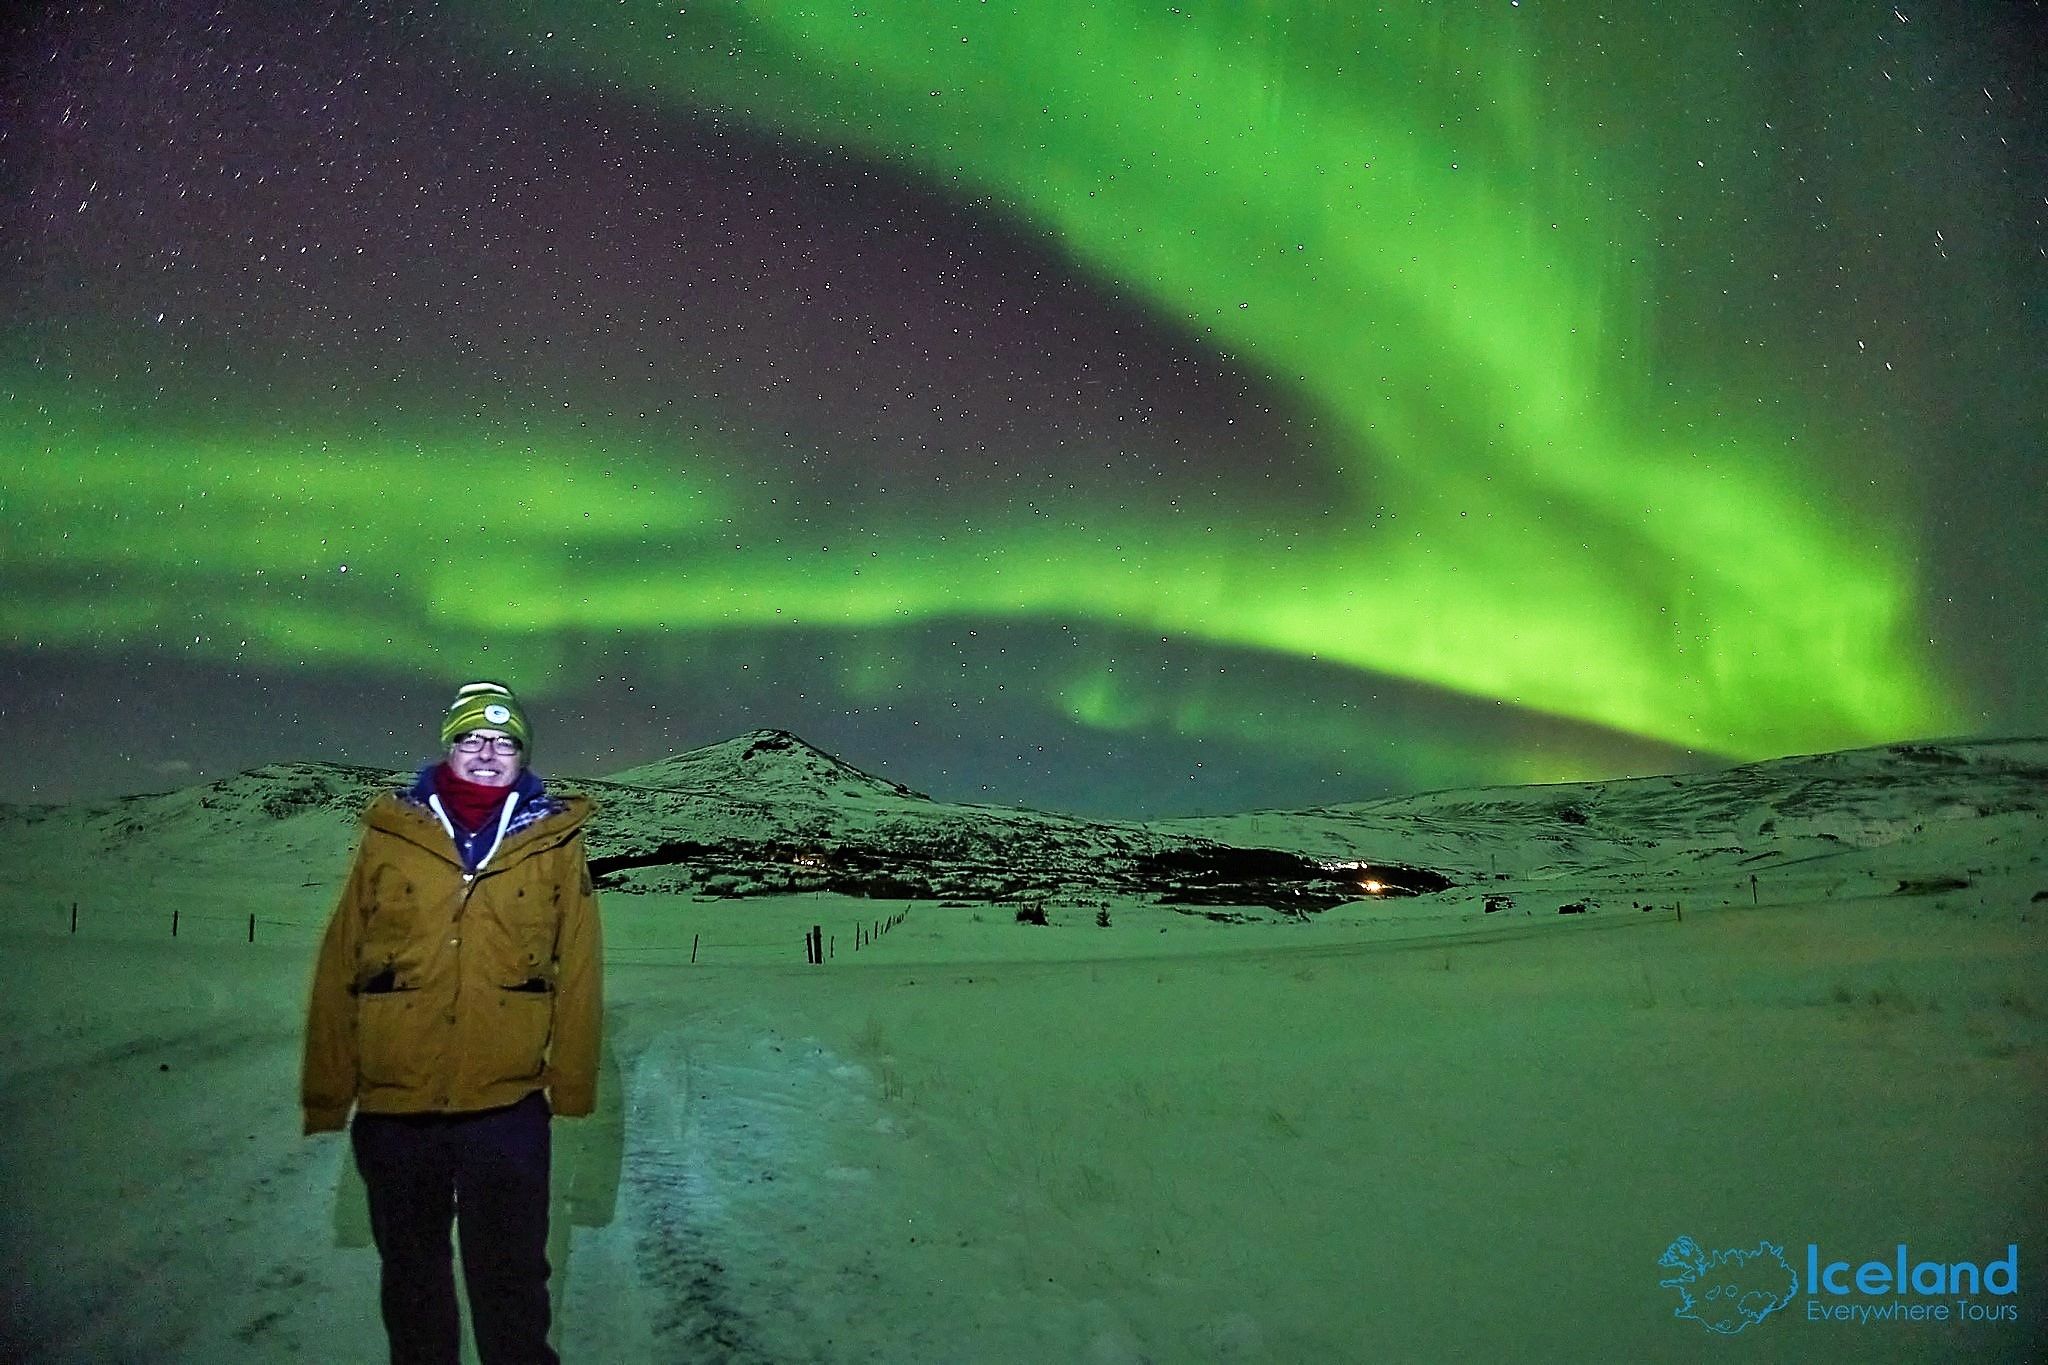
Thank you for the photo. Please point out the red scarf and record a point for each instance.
(469, 804)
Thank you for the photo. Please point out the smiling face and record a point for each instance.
(475, 757)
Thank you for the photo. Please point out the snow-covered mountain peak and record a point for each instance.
(764, 764)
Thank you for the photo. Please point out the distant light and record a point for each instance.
(1373, 887)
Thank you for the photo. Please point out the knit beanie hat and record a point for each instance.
(486, 706)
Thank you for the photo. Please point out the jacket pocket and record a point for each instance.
(515, 1037)
(522, 942)
(388, 1039)
(384, 982)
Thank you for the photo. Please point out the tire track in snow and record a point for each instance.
(674, 1196)
(747, 1217)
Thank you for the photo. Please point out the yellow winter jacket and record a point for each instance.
(440, 992)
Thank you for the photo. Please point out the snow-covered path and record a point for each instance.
(715, 1250)
(772, 1208)
(158, 1207)
(728, 1202)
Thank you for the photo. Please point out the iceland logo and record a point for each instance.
(1730, 1291)
(1727, 1291)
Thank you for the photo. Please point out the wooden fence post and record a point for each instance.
(74, 917)
(693, 946)
(252, 927)
(174, 924)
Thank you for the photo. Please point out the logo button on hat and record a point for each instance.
(496, 714)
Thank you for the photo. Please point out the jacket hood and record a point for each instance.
(540, 823)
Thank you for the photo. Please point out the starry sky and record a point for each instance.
(1124, 408)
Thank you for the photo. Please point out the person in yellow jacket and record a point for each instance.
(456, 1007)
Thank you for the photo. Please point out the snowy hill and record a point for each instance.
(768, 813)
(765, 813)
(765, 763)
(1900, 812)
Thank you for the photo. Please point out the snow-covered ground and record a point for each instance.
(1404, 1130)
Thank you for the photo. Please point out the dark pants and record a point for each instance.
(490, 1170)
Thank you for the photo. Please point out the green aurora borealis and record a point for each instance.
(1552, 421)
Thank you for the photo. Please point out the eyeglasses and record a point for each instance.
(503, 745)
